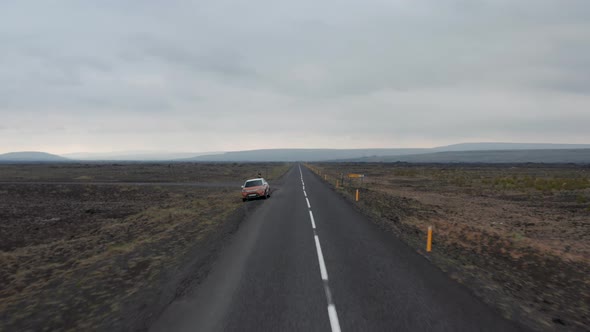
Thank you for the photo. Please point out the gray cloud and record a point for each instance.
(131, 75)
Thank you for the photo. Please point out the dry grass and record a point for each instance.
(518, 235)
(73, 256)
(108, 263)
(140, 172)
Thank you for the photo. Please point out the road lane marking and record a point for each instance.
(332, 314)
(334, 323)
(323, 270)
(312, 220)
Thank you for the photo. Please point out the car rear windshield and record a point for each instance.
(254, 183)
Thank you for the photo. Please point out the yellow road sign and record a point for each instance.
(352, 175)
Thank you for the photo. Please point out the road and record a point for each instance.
(306, 260)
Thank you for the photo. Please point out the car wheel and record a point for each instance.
(244, 199)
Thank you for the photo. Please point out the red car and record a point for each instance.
(255, 188)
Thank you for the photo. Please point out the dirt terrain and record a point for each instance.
(137, 172)
(111, 254)
(517, 235)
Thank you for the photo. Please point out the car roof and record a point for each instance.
(255, 179)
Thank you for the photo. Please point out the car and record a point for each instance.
(255, 188)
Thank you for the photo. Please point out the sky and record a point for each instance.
(100, 76)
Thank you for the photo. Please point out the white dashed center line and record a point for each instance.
(323, 270)
(333, 317)
(332, 314)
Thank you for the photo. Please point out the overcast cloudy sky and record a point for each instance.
(229, 75)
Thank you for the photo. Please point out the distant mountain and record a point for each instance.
(31, 156)
(302, 154)
(376, 154)
(134, 155)
(581, 156)
(464, 152)
(508, 146)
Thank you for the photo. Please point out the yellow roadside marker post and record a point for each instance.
(429, 240)
(357, 195)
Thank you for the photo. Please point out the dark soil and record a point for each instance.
(109, 257)
(517, 235)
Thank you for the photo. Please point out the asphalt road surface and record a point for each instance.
(308, 261)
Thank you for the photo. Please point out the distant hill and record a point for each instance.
(133, 155)
(31, 156)
(581, 156)
(464, 152)
(302, 154)
(497, 146)
(380, 154)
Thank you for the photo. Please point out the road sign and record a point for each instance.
(352, 175)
